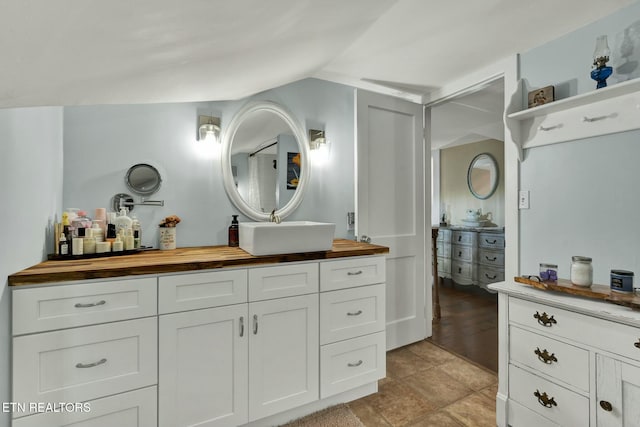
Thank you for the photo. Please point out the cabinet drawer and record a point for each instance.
(444, 235)
(443, 249)
(570, 409)
(85, 363)
(489, 274)
(349, 313)
(521, 416)
(491, 240)
(491, 258)
(462, 271)
(65, 306)
(462, 253)
(554, 358)
(351, 272)
(352, 363)
(468, 238)
(283, 281)
(132, 409)
(201, 290)
(444, 266)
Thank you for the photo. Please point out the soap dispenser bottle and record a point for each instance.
(122, 221)
(234, 232)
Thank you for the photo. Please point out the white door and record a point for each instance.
(203, 358)
(284, 360)
(390, 207)
(617, 393)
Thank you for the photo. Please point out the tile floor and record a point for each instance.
(429, 386)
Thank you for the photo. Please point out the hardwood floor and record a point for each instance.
(469, 323)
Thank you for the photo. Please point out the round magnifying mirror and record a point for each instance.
(143, 179)
(482, 176)
(265, 164)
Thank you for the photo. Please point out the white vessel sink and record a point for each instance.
(269, 238)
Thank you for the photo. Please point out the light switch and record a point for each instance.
(523, 199)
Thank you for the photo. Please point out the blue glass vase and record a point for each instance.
(600, 75)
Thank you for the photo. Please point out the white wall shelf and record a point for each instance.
(600, 112)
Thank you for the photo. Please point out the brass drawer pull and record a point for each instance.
(91, 365)
(492, 242)
(637, 344)
(545, 400)
(544, 356)
(354, 313)
(93, 304)
(356, 273)
(606, 406)
(491, 259)
(544, 319)
(353, 365)
(490, 277)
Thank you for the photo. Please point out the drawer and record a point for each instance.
(86, 363)
(201, 290)
(349, 313)
(132, 409)
(352, 363)
(64, 306)
(489, 274)
(444, 235)
(462, 272)
(553, 358)
(570, 409)
(444, 266)
(467, 238)
(609, 336)
(283, 281)
(443, 249)
(491, 258)
(491, 240)
(462, 253)
(521, 416)
(353, 272)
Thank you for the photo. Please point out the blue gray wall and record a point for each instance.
(585, 197)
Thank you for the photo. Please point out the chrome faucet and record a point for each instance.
(274, 218)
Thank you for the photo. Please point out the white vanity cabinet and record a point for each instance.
(566, 361)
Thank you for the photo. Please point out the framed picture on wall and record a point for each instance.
(293, 170)
(541, 96)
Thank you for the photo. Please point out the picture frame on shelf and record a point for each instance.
(541, 96)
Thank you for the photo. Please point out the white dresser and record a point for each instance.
(566, 361)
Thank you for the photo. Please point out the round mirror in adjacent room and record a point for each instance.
(265, 161)
(143, 179)
(482, 176)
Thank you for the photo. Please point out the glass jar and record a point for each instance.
(581, 271)
(549, 272)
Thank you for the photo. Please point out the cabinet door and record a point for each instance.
(617, 392)
(203, 367)
(284, 354)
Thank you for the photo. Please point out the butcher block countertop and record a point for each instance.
(173, 261)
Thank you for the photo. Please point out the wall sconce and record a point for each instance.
(208, 129)
(319, 146)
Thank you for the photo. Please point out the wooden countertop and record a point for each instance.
(176, 260)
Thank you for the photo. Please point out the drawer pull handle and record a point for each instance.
(606, 405)
(255, 324)
(354, 313)
(491, 259)
(353, 365)
(241, 326)
(490, 277)
(93, 304)
(493, 242)
(459, 238)
(460, 270)
(545, 357)
(546, 129)
(544, 319)
(637, 344)
(354, 273)
(545, 400)
(459, 253)
(91, 365)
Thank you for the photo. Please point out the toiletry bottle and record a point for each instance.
(89, 242)
(80, 221)
(128, 240)
(67, 231)
(117, 245)
(234, 232)
(111, 233)
(97, 230)
(122, 221)
(137, 231)
(63, 247)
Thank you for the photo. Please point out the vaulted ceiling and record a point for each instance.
(71, 52)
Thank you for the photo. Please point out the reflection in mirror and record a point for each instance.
(482, 176)
(143, 179)
(264, 161)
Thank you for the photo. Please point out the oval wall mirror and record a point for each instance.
(482, 176)
(265, 161)
(143, 179)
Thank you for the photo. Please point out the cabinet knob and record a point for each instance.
(606, 405)
(544, 319)
(544, 356)
(544, 399)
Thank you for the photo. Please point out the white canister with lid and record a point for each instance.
(581, 271)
